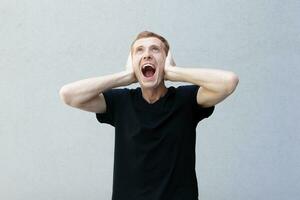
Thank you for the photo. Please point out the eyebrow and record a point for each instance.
(153, 45)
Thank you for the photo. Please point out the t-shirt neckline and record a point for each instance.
(156, 103)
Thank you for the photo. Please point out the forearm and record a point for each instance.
(84, 90)
(212, 79)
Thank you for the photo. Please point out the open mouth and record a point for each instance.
(148, 70)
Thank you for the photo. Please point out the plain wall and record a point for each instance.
(249, 148)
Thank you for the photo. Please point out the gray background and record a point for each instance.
(248, 149)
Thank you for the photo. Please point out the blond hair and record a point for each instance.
(146, 34)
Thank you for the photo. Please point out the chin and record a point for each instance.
(150, 84)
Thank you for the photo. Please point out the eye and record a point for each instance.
(155, 49)
(139, 49)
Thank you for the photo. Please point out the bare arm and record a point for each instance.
(87, 94)
(215, 84)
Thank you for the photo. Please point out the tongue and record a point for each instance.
(149, 73)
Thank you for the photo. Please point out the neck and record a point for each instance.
(151, 95)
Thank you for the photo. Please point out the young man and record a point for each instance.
(155, 126)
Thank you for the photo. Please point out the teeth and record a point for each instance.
(144, 66)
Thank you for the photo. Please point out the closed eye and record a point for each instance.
(155, 49)
(140, 49)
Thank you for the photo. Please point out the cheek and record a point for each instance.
(135, 60)
(161, 63)
(135, 64)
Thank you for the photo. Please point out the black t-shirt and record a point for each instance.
(154, 156)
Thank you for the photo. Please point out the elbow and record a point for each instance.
(64, 95)
(233, 81)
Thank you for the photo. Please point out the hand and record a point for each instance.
(129, 68)
(169, 62)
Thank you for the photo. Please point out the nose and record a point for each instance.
(147, 56)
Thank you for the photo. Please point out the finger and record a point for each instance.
(167, 61)
(129, 61)
(172, 62)
(171, 59)
(129, 58)
(168, 55)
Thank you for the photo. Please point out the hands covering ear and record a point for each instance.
(129, 68)
(169, 62)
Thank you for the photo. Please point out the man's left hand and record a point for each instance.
(169, 62)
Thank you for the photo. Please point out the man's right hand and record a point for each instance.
(87, 94)
(129, 68)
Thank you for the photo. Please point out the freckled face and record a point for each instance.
(148, 60)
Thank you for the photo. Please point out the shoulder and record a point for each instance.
(114, 92)
(122, 94)
(116, 95)
(186, 94)
(189, 94)
(188, 90)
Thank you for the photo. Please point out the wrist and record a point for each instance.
(121, 78)
(171, 73)
(129, 77)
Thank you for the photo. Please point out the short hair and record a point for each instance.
(147, 34)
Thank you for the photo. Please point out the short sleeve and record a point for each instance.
(200, 112)
(111, 99)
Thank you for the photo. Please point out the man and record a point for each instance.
(155, 126)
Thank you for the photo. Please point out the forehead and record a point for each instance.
(148, 42)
